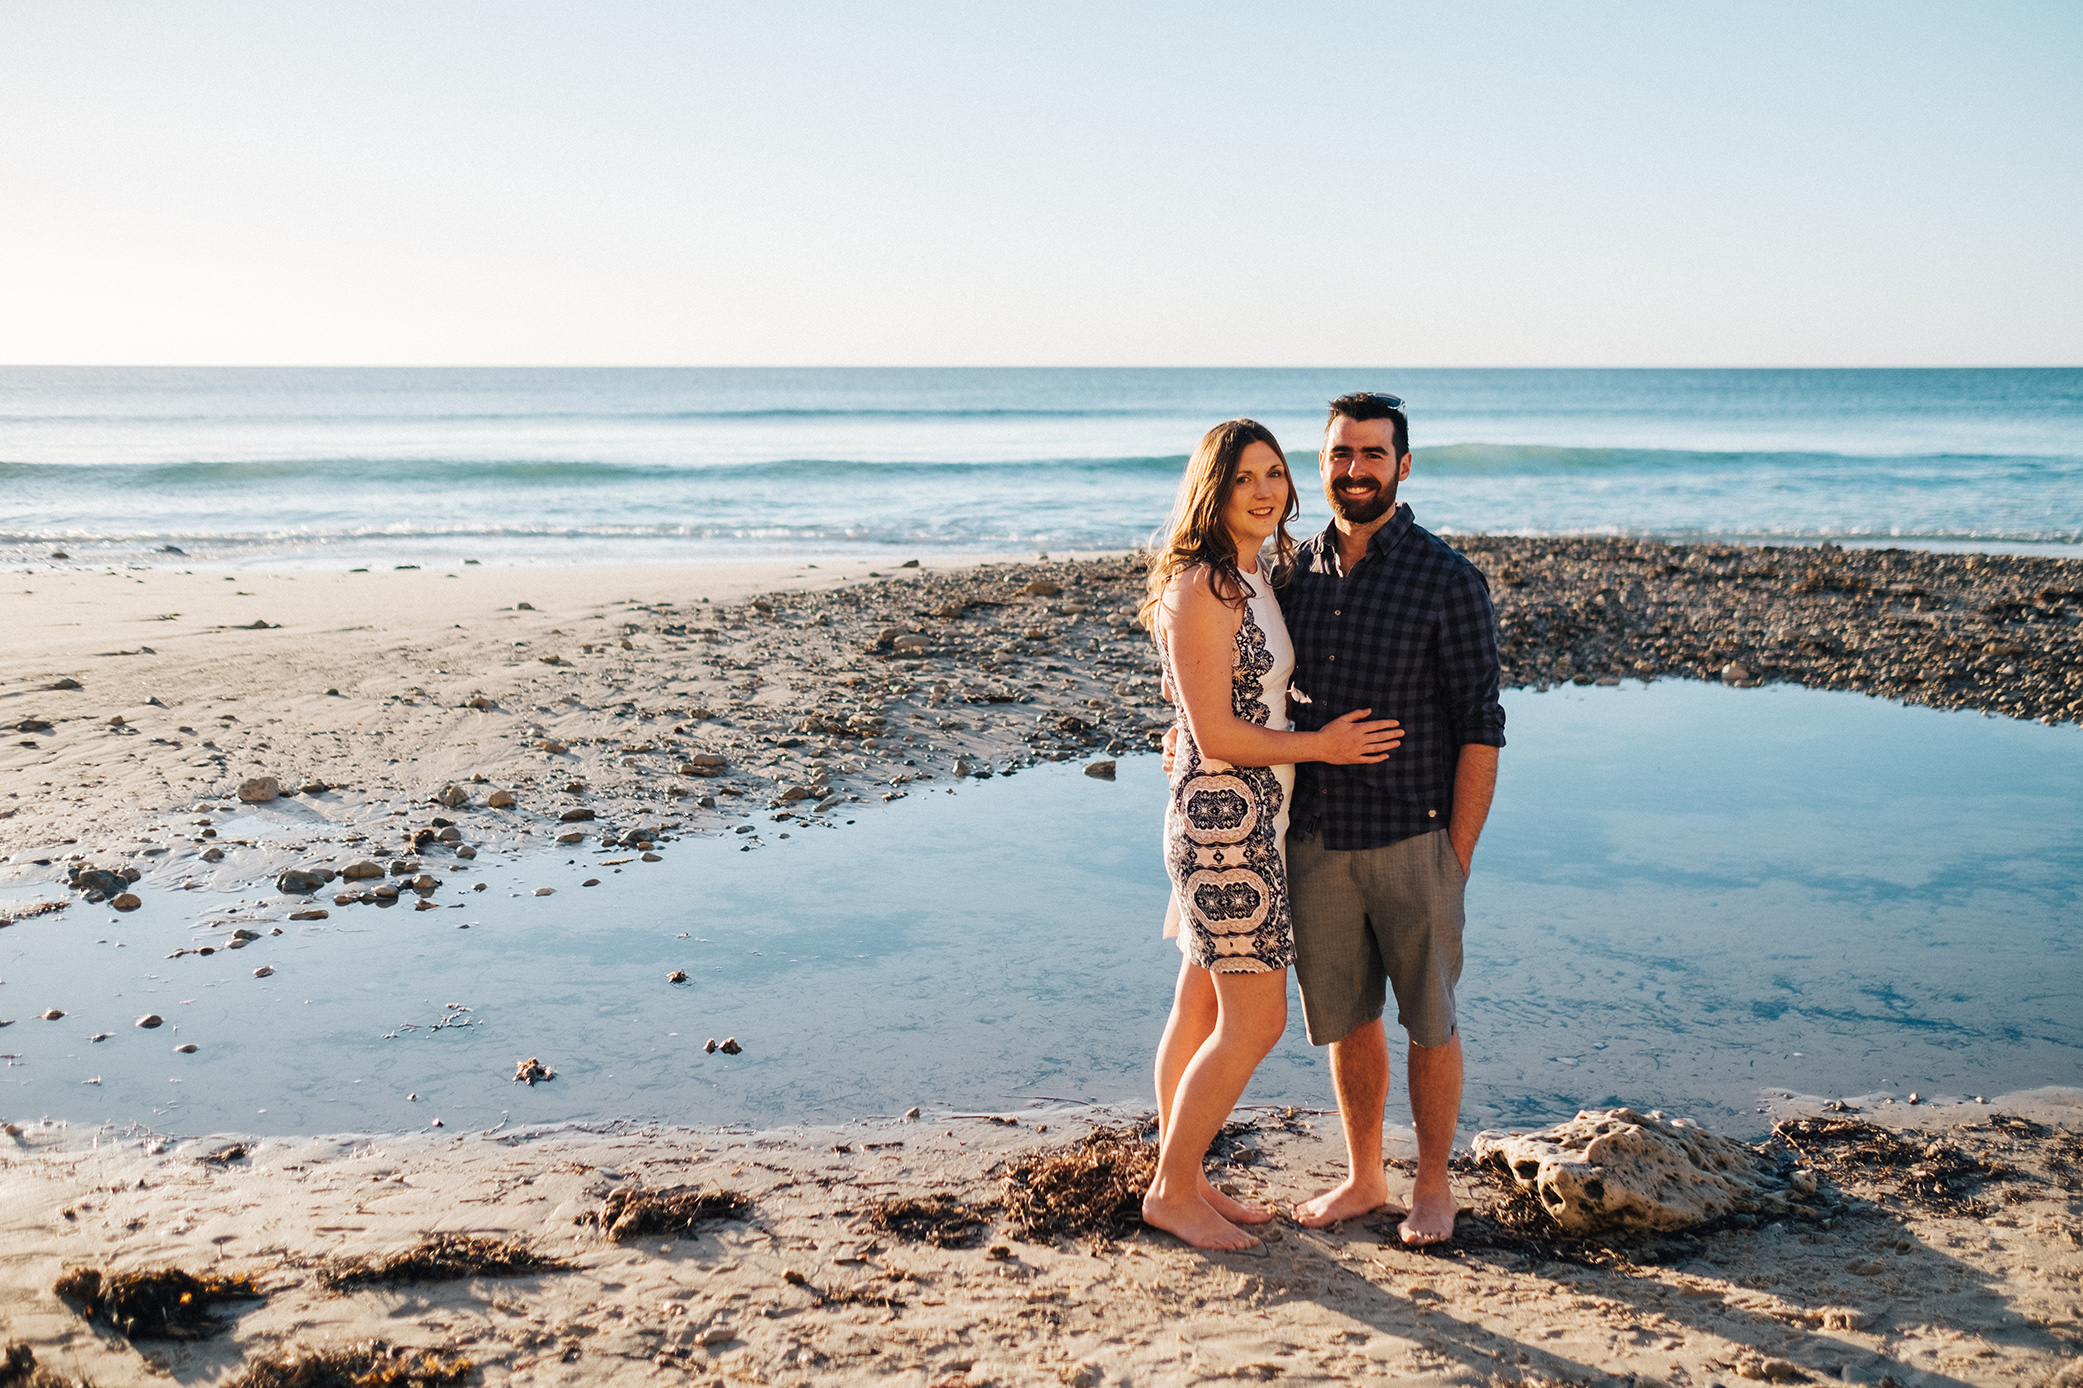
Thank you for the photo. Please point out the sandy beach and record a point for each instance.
(1888, 1276)
(642, 706)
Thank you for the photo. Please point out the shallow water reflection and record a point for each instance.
(1687, 895)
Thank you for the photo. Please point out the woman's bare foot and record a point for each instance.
(1431, 1218)
(1348, 1201)
(1235, 1211)
(1195, 1221)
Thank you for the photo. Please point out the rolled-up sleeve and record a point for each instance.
(1468, 670)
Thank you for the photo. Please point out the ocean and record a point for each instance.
(303, 467)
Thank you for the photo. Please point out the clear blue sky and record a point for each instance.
(1119, 183)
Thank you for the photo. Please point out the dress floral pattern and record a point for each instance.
(1225, 827)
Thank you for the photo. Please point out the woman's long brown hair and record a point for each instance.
(1196, 535)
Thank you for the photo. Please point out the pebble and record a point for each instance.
(354, 872)
(453, 796)
(551, 745)
(710, 1049)
(185, 1048)
(298, 882)
(545, 891)
(730, 1046)
(151, 1020)
(500, 800)
(264, 971)
(573, 837)
(126, 901)
(52, 1015)
(310, 915)
(590, 882)
(258, 790)
(213, 855)
(532, 1072)
(577, 816)
(1101, 770)
(676, 976)
(101, 1036)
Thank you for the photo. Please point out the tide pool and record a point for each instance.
(1687, 896)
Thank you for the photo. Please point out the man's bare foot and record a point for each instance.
(1431, 1218)
(1196, 1222)
(1348, 1201)
(1235, 1211)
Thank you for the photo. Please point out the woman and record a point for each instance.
(1226, 660)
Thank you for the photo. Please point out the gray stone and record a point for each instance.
(1100, 770)
(576, 816)
(298, 882)
(151, 1020)
(1620, 1170)
(453, 796)
(355, 872)
(258, 790)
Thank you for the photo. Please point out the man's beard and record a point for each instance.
(1360, 508)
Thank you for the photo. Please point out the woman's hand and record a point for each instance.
(1350, 740)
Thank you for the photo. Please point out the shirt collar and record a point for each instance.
(1380, 544)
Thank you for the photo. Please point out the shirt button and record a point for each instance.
(1337, 612)
(1432, 814)
(1330, 657)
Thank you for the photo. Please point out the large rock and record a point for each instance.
(298, 882)
(1618, 1170)
(258, 790)
(453, 796)
(355, 872)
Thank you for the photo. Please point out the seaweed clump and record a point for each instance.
(157, 1304)
(443, 1258)
(18, 1370)
(631, 1212)
(939, 1219)
(1926, 1175)
(1093, 1186)
(372, 1365)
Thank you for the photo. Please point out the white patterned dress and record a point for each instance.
(1225, 828)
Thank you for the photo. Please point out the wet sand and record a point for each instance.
(1887, 1277)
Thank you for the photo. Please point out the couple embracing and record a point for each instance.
(1331, 764)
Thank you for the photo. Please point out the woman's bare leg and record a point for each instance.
(1251, 1013)
(1194, 1010)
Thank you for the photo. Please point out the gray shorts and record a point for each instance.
(1375, 915)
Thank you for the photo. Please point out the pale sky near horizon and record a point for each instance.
(634, 181)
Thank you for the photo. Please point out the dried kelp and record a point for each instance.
(372, 1365)
(939, 1219)
(1093, 1186)
(157, 1304)
(633, 1211)
(18, 1370)
(1916, 1171)
(443, 1258)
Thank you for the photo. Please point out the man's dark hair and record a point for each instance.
(1367, 405)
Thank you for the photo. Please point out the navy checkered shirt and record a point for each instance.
(1410, 634)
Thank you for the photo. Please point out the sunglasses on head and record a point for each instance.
(1394, 402)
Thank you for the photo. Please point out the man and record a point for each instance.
(1384, 615)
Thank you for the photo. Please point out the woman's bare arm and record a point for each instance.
(1201, 634)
